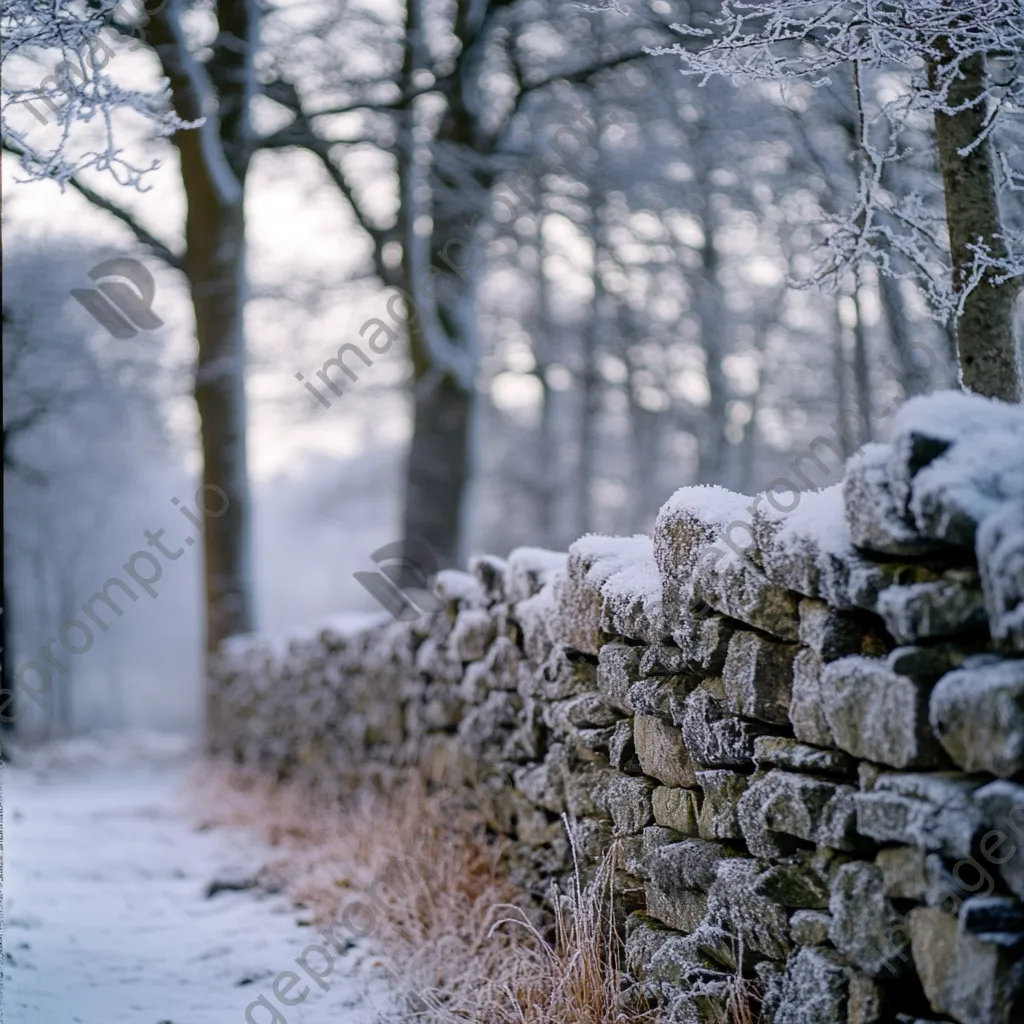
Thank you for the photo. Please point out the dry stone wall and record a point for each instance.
(798, 719)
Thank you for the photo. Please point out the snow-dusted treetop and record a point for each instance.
(954, 64)
(54, 62)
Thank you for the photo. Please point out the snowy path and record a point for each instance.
(106, 920)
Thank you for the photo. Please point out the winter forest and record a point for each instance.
(296, 290)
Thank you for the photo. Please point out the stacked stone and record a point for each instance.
(796, 721)
(856, 734)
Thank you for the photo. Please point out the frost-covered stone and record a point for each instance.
(662, 659)
(832, 633)
(627, 799)
(782, 752)
(864, 923)
(683, 910)
(632, 596)
(946, 607)
(1002, 804)
(564, 673)
(737, 907)
(662, 752)
(459, 589)
(960, 489)
(805, 705)
(712, 736)
(758, 677)
(810, 550)
(702, 562)
(978, 714)
(798, 881)
(1000, 550)
(722, 791)
(618, 667)
(735, 588)
(976, 979)
(783, 806)
(543, 784)
(875, 520)
(874, 712)
(661, 696)
(813, 988)
(680, 962)
(622, 749)
(677, 809)
(934, 811)
(611, 585)
(904, 872)
(538, 621)
(690, 864)
(472, 633)
(809, 928)
(644, 937)
(703, 641)
(955, 458)
(491, 573)
(528, 570)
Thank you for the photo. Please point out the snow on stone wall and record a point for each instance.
(800, 717)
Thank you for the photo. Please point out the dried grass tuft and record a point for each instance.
(464, 943)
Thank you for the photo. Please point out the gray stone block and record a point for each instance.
(783, 806)
(878, 714)
(947, 607)
(618, 667)
(976, 979)
(758, 677)
(934, 811)
(978, 715)
(782, 752)
(865, 925)
(1001, 848)
(809, 928)
(1000, 551)
(662, 752)
(712, 736)
(722, 790)
(833, 634)
(805, 704)
(678, 809)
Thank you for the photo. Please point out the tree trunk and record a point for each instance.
(8, 696)
(711, 313)
(839, 375)
(861, 375)
(215, 267)
(545, 340)
(915, 378)
(989, 361)
(438, 468)
(214, 161)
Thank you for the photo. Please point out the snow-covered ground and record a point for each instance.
(106, 919)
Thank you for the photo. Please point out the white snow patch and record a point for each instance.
(106, 920)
